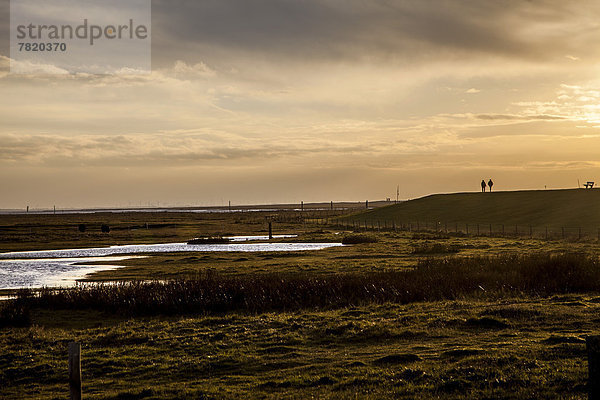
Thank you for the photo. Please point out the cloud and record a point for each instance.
(384, 31)
(29, 67)
(294, 86)
(509, 117)
(167, 149)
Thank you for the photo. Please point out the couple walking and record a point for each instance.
(490, 184)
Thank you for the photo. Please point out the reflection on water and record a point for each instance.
(32, 273)
(57, 267)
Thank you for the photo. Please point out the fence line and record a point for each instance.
(456, 228)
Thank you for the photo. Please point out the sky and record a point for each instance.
(270, 101)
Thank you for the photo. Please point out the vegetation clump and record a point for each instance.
(357, 238)
(435, 248)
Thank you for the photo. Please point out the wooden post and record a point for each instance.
(367, 204)
(270, 230)
(301, 206)
(75, 370)
(593, 350)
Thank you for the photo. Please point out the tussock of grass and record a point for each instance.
(431, 280)
(435, 248)
(357, 238)
(15, 312)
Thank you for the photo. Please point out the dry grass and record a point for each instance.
(433, 279)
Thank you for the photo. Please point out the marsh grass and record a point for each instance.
(435, 248)
(432, 279)
(358, 238)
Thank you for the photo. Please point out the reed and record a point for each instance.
(432, 279)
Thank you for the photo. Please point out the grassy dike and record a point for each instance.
(412, 316)
(571, 209)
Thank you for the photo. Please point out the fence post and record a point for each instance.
(75, 370)
(593, 351)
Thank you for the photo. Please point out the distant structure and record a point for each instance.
(589, 184)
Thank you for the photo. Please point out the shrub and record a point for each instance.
(105, 228)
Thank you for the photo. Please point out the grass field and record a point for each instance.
(542, 208)
(472, 317)
(40, 232)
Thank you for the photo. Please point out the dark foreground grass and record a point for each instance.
(508, 349)
(431, 280)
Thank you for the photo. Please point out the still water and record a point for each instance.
(61, 267)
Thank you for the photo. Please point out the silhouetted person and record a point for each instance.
(483, 185)
(490, 184)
